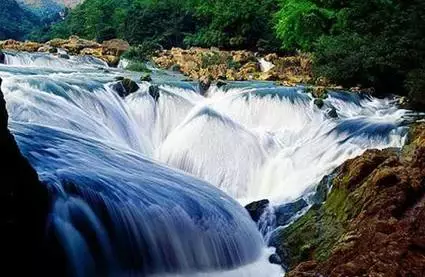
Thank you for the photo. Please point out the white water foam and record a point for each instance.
(252, 141)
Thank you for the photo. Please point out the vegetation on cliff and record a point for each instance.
(229, 24)
(15, 22)
(372, 221)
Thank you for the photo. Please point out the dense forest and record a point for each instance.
(377, 43)
(15, 22)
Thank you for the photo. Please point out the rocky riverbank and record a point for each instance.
(109, 51)
(214, 64)
(372, 222)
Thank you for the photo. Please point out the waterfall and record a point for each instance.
(265, 65)
(152, 185)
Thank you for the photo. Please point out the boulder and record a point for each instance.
(243, 56)
(271, 57)
(175, 67)
(125, 87)
(146, 78)
(331, 112)
(2, 57)
(220, 84)
(154, 92)
(284, 213)
(275, 259)
(97, 52)
(114, 47)
(204, 84)
(56, 42)
(74, 45)
(64, 56)
(112, 61)
(256, 209)
(46, 49)
(319, 102)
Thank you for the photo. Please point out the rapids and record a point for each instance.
(153, 187)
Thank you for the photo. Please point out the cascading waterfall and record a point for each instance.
(120, 208)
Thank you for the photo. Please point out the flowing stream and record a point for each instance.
(146, 186)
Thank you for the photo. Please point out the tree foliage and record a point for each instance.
(222, 23)
(16, 22)
(379, 43)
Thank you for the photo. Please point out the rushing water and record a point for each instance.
(119, 206)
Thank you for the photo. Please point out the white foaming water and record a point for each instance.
(100, 155)
(47, 60)
(116, 212)
(265, 65)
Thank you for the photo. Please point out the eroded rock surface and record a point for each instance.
(373, 221)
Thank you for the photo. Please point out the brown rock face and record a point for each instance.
(110, 51)
(373, 222)
(115, 47)
(199, 63)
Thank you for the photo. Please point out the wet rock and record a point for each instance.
(154, 92)
(322, 190)
(64, 56)
(175, 67)
(119, 78)
(284, 213)
(146, 78)
(275, 259)
(204, 84)
(256, 209)
(2, 57)
(115, 47)
(331, 112)
(319, 103)
(319, 92)
(125, 87)
(112, 61)
(372, 222)
(220, 84)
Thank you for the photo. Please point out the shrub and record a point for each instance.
(138, 66)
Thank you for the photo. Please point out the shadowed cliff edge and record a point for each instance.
(24, 206)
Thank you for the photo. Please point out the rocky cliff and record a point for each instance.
(24, 206)
(372, 222)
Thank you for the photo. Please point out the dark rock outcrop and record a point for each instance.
(373, 220)
(204, 85)
(24, 207)
(319, 102)
(284, 213)
(64, 56)
(146, 78)
(2, 57)
(331, 113)
(256, 209)
(125, 87)
(154, 92)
